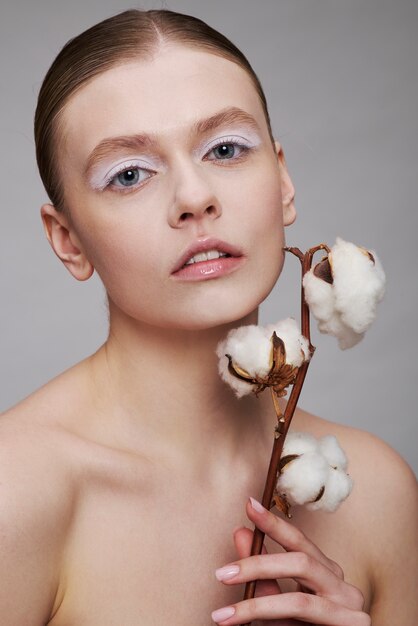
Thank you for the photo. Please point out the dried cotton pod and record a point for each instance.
(254, 357)
(312, 473)
(343, 290)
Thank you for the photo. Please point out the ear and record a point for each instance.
(288, 190)
(65, 243)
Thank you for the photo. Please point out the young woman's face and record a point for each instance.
(162, 154)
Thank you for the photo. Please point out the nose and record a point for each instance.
(194, 197)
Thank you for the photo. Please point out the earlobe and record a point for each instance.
(288, 190)
(65, 243)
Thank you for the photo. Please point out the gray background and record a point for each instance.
(341, 81)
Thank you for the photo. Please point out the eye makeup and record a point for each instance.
(247, 138)
(244, 138)
(102, 177)
(240, 137)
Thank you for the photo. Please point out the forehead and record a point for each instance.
(163, 96)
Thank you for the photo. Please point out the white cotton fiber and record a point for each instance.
(240, 387)
(334, 326)
(320, 464)
(347, 307)
(337, 487)
(301, 479)
(319, 295)
(296, 345)
(333, 452)
(299, 443)
(359, 284)
(320, 298)
(250, 349)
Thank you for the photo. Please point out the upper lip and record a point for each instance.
(203, 245)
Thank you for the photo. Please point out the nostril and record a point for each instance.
(209, 210)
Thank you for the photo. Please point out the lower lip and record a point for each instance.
(205, 270)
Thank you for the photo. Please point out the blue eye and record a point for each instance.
(224, 151)
(227, 150)
(130, 176)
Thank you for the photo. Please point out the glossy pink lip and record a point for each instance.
(203, 245)
(205, 270)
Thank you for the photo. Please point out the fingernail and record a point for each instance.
(221, 614)
(257, 506)
(227, 572)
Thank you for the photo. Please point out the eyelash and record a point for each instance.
(125, 168)
(231, 141)
(225, 141)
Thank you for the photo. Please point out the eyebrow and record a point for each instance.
(230, 115)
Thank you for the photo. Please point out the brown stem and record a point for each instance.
(258, 536)
(306, 261)
(283, 426)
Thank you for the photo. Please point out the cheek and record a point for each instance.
(264, 214)
(260, 195)
(268, 237)
(131, 261)
(123, 254)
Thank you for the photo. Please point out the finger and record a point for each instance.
(301, 567)
(305, 607)
(288, 536)
(243, 538)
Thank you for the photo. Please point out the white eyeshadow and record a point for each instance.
(102, 173)
(247, 136)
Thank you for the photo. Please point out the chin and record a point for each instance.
(216, 321)
(231, 311)
(208, 304)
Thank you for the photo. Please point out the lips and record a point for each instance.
(203, 245)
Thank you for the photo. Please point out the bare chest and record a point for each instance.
(143, 556)
(146, 555)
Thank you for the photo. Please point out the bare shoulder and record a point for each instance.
(382, 514)
(37, 495)
(373, 463)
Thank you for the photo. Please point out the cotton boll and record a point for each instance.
(337, 488)
(319, 296)
(296, 345)
(359, 284)
(250, 349)
(240, 387)
(347, 307)
(347, 338)
(302, 479)
(299, 443)
(332, 451)
(320, 464)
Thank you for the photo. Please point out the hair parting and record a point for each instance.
(132, 34)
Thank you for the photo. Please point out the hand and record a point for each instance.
(324, 597)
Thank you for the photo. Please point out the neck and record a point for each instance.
(162, 387)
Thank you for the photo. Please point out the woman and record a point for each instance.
(126, 480)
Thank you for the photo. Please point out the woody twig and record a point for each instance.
(284, 420)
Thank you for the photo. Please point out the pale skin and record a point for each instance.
(125, 481)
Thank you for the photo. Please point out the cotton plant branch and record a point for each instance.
(284, 421)
(342, 292)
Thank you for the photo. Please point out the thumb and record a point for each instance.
(243, 538)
